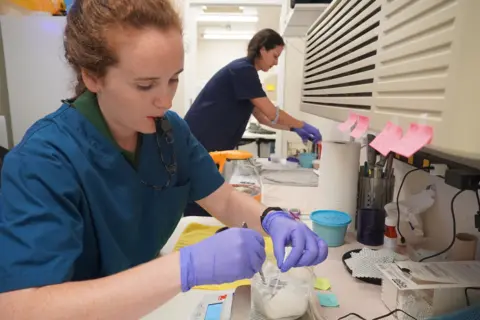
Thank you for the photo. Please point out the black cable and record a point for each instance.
(352, 314)
(454, 224)
(378, 318)
(466, 294)
(402, 238)
(393, 312)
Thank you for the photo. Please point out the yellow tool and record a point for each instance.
(221, 157)
(55, 7)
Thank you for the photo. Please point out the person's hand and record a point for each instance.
(307, 248)
(231, 255)
(308, 132)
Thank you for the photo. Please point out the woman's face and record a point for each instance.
(269, 58)
(143, 83)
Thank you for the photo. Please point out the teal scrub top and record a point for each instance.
(73, 207)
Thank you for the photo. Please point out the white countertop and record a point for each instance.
(353, 295)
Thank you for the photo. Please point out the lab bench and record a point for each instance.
(353, 295)
(260, 145)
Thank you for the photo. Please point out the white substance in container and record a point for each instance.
(284, 296)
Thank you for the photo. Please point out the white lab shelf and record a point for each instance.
(298, 20)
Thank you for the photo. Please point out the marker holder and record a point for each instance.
(374, 192)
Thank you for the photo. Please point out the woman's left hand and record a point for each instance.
(308, 132)
(307, 248)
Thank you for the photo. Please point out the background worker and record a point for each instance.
(219, 115)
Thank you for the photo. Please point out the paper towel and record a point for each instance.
(338, 177)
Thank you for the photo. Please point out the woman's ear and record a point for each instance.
(92, 82)
(263, 52)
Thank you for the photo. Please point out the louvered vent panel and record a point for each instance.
(414, 56)
(406, 61)
(340, 56)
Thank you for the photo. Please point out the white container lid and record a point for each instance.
(391, 221)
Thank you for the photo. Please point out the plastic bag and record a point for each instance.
(412, 208)
(281, 296)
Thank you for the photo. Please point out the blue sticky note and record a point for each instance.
(327, 299)
(214, 311)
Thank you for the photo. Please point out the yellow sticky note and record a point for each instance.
(322, 284)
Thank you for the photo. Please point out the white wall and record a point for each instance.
(38, 76)
(212, 55)
(5, 132)
(178, 104)
(6, 9)
(438, 221)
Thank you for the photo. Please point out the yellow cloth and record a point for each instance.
(196, 232)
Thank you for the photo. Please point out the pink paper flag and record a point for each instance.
(361, 127)
(347, 125)
(417, 136)
(387, 139)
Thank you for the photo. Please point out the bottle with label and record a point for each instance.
(390, 238)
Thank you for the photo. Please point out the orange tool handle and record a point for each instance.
(219, 158)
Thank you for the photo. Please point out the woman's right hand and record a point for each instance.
(231, 255)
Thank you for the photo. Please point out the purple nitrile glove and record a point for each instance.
(307, 248)
(231, 255)
(308, 132)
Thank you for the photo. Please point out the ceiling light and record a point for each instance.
(226, 36)
(226, 18)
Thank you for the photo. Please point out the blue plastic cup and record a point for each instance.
(306, 159)
(331, 226)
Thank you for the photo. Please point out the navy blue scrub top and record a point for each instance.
(72, 207)
(220, 113)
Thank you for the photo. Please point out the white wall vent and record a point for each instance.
(400, 60)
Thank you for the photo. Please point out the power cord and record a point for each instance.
(454, 224)
(466, 293)
(477, 216)
(478, 199)
(402, 238)
(378, 318)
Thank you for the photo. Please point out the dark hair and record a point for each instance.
(89, 23)
(265, 38)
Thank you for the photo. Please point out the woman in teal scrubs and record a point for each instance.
(94, 190)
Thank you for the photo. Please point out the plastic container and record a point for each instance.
(283, 295)
(331, 226)
(275, 158)
(390, 239)
(306, 159)
(370, 226)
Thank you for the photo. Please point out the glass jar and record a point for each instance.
(239, 169)
(245, 177)
(281, 295)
